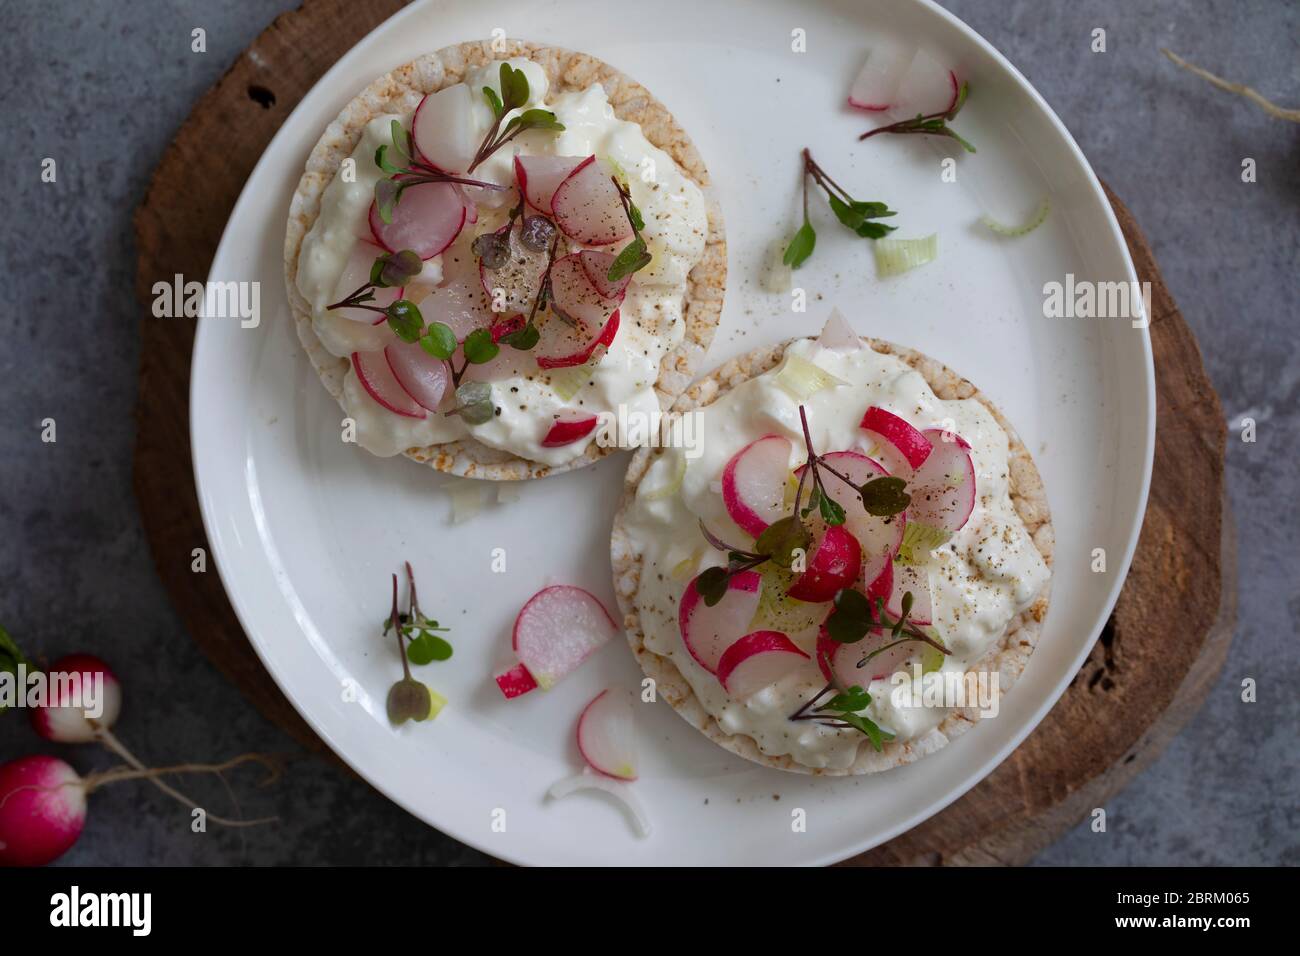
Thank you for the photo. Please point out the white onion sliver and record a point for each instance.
(590, 780)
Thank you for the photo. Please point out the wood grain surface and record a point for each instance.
(1144, 678)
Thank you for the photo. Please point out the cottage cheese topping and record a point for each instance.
(980, 580)
(651, 321)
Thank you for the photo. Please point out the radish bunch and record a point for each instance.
(43, 799)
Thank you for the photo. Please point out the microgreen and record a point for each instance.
(390, 270)
(842, 709)
(857, 215)
(634, 256)
(514, 95)
(931, 124)
(409, 170)
(408, 699)
(10, 655)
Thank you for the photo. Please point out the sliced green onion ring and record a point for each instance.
(896, 256)
(1034, 221)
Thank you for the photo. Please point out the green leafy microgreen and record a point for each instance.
(403, 169)
(10, 655)
(855, 214)
(439, 340)
(392, 270)
(479, 347)
(494, 102)
(408, 699)
(523, 338)
(474, 403)
(842, 710)
(884, 497)
(514, 96)
(783, 540)
(634, 256)
(931, 124)
(801, 245)
(405, 320)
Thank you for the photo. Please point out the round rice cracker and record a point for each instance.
(1007, 657)
(400, 92)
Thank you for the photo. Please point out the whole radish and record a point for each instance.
(63, 718)
(42, 810)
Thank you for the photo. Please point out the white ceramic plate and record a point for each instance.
(306, 530)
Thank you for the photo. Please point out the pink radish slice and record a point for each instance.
(420, 375)
(943, 489)
(876, 84)
(355, 274)
(426, 220)
(753, 483)
(914, 578)
(587, 206)
(459, 302)
(441, 128)
(503, 327)
(834, 564)
(471, 207)
(576, 295)
(898, 436)
(557, 337)
(838, 334)
(756, 661)
(515, 681)
(596, 266)
(882, 584)
(844, 658)
(377, 378)
(879, 537)
(567, 431)
(607, 734)
(926, 87)
(89, 686)
(557, 629)
(42, 810)
(707, 631)
(517, 280)
(540, 176)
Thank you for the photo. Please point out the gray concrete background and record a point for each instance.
(102, 86)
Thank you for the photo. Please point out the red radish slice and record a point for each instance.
(885, 662)
(876, 84)
(427, 220)
(880, 586)
(707, 631)
(838, 334)
(540, 176)
(596, 266)
(943, 489)
(879, 537)
(914, 578)
(503, 327)
(607, 734)
(553, 349)
(515, 681)
(587, 206)
(926, 87)
(567, 431)
(355, 274)
(834, 563)
(459, 302)
(844, 658)
(513, 287)
(756, 661)
(420, 375)
(903, 448)
(556, 631)
(753, 483)
(377, 378)
(576, 295)
(441, 128)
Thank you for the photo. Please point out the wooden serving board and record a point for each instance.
(1144, 678)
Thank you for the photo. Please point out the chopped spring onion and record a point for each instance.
(664, 486)
(467, 499)
(1034, 221)
(896, 256)
(803, 379)
(918, 541)
(567, 382)
(622, 792)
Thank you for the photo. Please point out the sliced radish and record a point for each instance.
(563, 346)
(567, 431)
(753, 483)
(442, 128)
(756, 661)
(459, 302)
(844, 658)
(471, 207)
(556, 631)
(420, 375)
(624, 794)
(515, 681)
(879, 537)
(881, 585)
(596, 266)
(587, 205)
(943, 489)
(914, 578)
(540, 176)
(834, 564)
(607, 734)
(838, 334)
(577, 295)
(355, 274)
(927, 87)
(377, 378)
(876, 84)
(507, 326)
(903, 448)
(513, 287)
(707, 631)
(426, 220)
